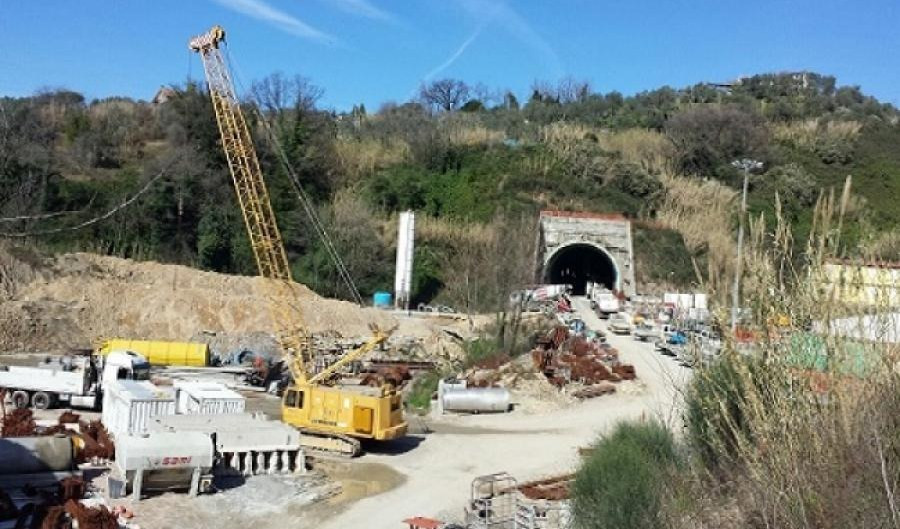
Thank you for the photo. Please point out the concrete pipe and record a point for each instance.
(31, 455)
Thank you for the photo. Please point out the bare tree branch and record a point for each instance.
(444, 94)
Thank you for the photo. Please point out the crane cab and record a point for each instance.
(357, 411)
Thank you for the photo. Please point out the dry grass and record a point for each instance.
(566, 132)
(811, 133)
(648, 149)
(360, 157)
(644, 148)
(796, 436)
(703, 212)
(884, 246)
(452, 233)
(468, 135)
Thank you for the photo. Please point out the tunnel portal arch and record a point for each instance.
(578, 263)
(577, 247)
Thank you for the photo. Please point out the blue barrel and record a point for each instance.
(381, 299)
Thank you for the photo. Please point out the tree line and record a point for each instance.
(464, 155)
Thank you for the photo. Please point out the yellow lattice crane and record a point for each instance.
(331, 416)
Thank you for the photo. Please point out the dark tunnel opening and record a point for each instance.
(579, 263)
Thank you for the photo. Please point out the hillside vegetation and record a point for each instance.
(478, 165)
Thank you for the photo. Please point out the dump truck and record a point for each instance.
(75, 380)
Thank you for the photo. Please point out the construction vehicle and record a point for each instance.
(75, 380)
(332, 417)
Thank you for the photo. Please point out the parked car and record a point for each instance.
(646, 331)
(620, 323)
(605, 303)
(672, 341)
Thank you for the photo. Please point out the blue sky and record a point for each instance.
(373, 51)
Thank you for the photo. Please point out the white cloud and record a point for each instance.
(260, 10)
(363, 8)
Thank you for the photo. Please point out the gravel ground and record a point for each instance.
(439, 466)
(429, 474)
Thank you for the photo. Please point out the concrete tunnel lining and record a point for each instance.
(578, 263)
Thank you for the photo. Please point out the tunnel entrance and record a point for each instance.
(577, 264)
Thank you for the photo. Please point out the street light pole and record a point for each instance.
(746, 165)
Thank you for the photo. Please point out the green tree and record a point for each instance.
(214, 240)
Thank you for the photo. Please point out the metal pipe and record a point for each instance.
(31, 455)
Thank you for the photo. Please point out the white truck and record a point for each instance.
(75, 380)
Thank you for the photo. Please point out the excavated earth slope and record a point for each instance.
(74, 300)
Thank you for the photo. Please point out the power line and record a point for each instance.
(95, 220)
(49, 215)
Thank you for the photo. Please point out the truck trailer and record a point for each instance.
(76, 381)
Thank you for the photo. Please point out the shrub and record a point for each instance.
(419, 396)
(716, 408)
(620, 485)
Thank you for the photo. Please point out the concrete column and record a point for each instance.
(137, 484)
(195, 482)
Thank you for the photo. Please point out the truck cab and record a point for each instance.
(124, 365)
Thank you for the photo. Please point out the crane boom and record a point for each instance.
(259, 218)
(331, 416)
(253, 198)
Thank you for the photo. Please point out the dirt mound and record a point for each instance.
(75, 300)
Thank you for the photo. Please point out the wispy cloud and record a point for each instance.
(510, 20)
(261, 10)
(499, 12)
(363, 8)
(456, 54)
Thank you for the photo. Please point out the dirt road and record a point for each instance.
(439, 466)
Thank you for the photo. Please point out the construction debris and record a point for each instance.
(566, 359)
(97, 442)
(598, 390)
(556, 488)
(57, 506)
(18, 423)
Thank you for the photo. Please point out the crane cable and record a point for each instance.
(305, 200)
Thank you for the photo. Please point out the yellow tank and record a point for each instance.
(162, 353)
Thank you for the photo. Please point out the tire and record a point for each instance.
(41, 400)
(20, 399)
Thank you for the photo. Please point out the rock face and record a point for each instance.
(72, 301)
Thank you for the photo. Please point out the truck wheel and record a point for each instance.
(41, 400)
(20, 399)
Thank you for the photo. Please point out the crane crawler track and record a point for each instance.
(329, 445)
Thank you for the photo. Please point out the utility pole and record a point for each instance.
(746, 165)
